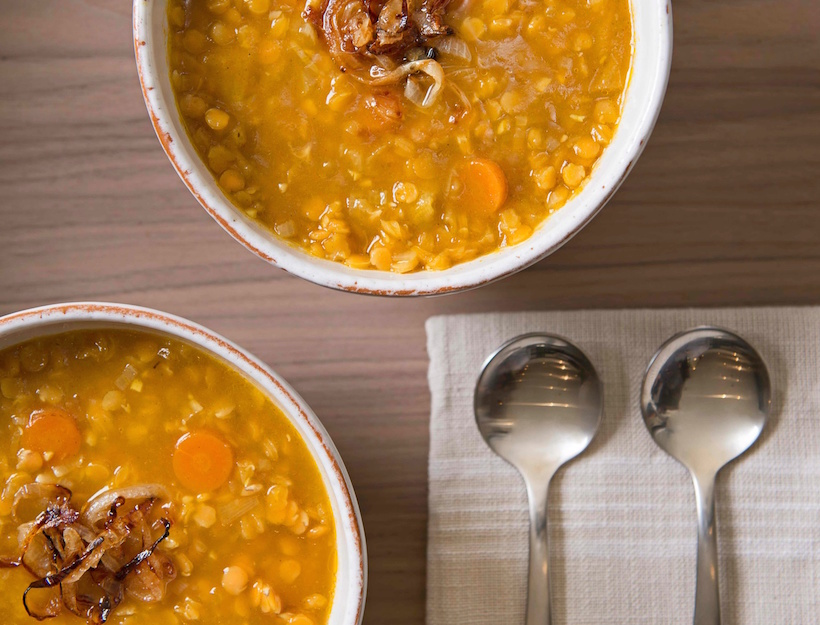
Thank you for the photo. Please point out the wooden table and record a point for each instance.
(722, 209)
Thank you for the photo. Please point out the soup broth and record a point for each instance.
(371, 143)
(182, 438)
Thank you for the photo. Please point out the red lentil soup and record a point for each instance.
(144, 481)
(400, 135)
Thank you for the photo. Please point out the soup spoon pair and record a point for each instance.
(705, 398)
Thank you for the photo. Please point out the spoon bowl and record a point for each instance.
(538, 404)
(705, 399)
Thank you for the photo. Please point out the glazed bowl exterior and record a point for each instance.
(351, 578)
(652, 52)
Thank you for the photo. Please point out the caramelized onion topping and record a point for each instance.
(98, 507)
(144, 554)
(68, 551)
(383, 36)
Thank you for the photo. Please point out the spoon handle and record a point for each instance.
(707, 602)
(539, 605)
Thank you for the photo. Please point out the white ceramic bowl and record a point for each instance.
(351, 577)
(652, 27)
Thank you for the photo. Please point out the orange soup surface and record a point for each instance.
(400, 135)
(144, 481)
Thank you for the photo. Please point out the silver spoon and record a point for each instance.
(705, 399)
(538, 403)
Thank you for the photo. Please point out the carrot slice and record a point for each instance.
(202, 461)
(485, 185)
(54, 431)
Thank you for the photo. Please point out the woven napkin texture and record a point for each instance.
(622, 515)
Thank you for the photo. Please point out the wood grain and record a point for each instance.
(722, 209)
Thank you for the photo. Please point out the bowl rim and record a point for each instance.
(464, 276)
(250, 367)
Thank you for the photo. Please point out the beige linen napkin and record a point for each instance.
(622, 515)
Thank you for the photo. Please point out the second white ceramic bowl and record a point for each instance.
(351, 575)
(652, 43)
